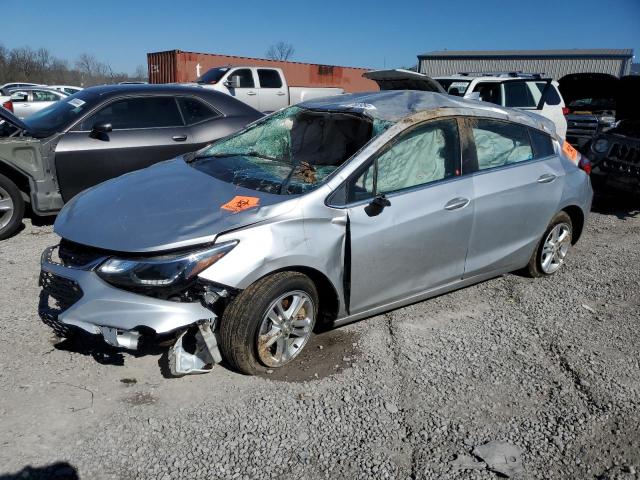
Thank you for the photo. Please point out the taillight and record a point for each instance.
(566, 111)
(585, 164)
(8, 105)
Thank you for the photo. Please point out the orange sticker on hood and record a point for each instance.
(240, 203)
(570, 152)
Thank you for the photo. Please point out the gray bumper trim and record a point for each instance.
(103, 305)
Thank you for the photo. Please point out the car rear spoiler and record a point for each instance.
(400, 79)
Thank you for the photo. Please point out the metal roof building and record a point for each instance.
(554, 63)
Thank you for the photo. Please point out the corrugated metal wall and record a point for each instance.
(178, 66)
(554, 67)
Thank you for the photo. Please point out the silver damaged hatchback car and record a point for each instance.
(320, 214)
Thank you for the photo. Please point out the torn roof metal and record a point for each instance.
(395, 105)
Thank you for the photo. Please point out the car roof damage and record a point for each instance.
(411, 105)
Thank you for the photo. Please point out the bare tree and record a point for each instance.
(141, 74)
(280, 51)
(40, 66)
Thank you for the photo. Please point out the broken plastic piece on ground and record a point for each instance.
(206, 353)
(501, 457)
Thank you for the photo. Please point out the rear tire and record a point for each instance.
(245, 317)
(11, 208)
(552, 249)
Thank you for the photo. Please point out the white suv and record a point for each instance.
(511, 89)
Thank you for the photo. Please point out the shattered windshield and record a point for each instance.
(290, 152)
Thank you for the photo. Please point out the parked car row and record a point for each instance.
(24, 99)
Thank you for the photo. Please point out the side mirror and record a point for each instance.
(233, 82)
(102, 127)
(377, 205)
(474, 96)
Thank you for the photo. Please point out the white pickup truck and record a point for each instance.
(263, 88)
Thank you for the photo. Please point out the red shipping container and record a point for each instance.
(175, 66)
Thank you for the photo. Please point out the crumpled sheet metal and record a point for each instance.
(395, 105)
(204, 358)
(501, 457)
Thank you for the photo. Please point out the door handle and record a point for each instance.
(251, 93)
(546, 178)
(456, 203)
(179, 138)
(280, 94)
(339, 220)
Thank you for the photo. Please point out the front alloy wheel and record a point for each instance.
(285, 329)
(268, 324)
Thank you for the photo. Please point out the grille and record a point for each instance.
(582, 127)
(57, 295)
(75, 255)
(624, 159)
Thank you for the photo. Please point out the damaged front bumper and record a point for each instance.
(74, 297)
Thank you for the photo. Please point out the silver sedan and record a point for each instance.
(29, 100)
(327, 212)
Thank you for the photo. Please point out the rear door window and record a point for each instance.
(500, 143)
(195, 111)
(542, 144)
(518, 95)
(137, 112)
(269, 78)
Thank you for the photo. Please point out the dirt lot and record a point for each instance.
(549, 365)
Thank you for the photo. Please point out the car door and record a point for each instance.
(247, 91)
(145, 130)
(517, 188)
(418, 241)
(22, 103)
(272, 90)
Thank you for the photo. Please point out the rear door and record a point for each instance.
(146, 130)
(273, 91)
(418, 241)
(517, 188)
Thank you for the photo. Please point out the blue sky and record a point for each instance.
(368, 34)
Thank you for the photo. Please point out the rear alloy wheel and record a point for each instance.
(550, 254)
(268, 324)
(11, 207)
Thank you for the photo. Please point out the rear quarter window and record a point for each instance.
(542, 144)
(195, 111)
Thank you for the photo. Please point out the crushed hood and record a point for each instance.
(10, 118)
(167, 206)
(400, 79)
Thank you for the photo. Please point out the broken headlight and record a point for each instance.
(163, 271)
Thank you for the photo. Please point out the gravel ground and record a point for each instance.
(549, 365)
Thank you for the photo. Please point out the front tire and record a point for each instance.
(554, 245)
(268, 324)
(11, 208)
